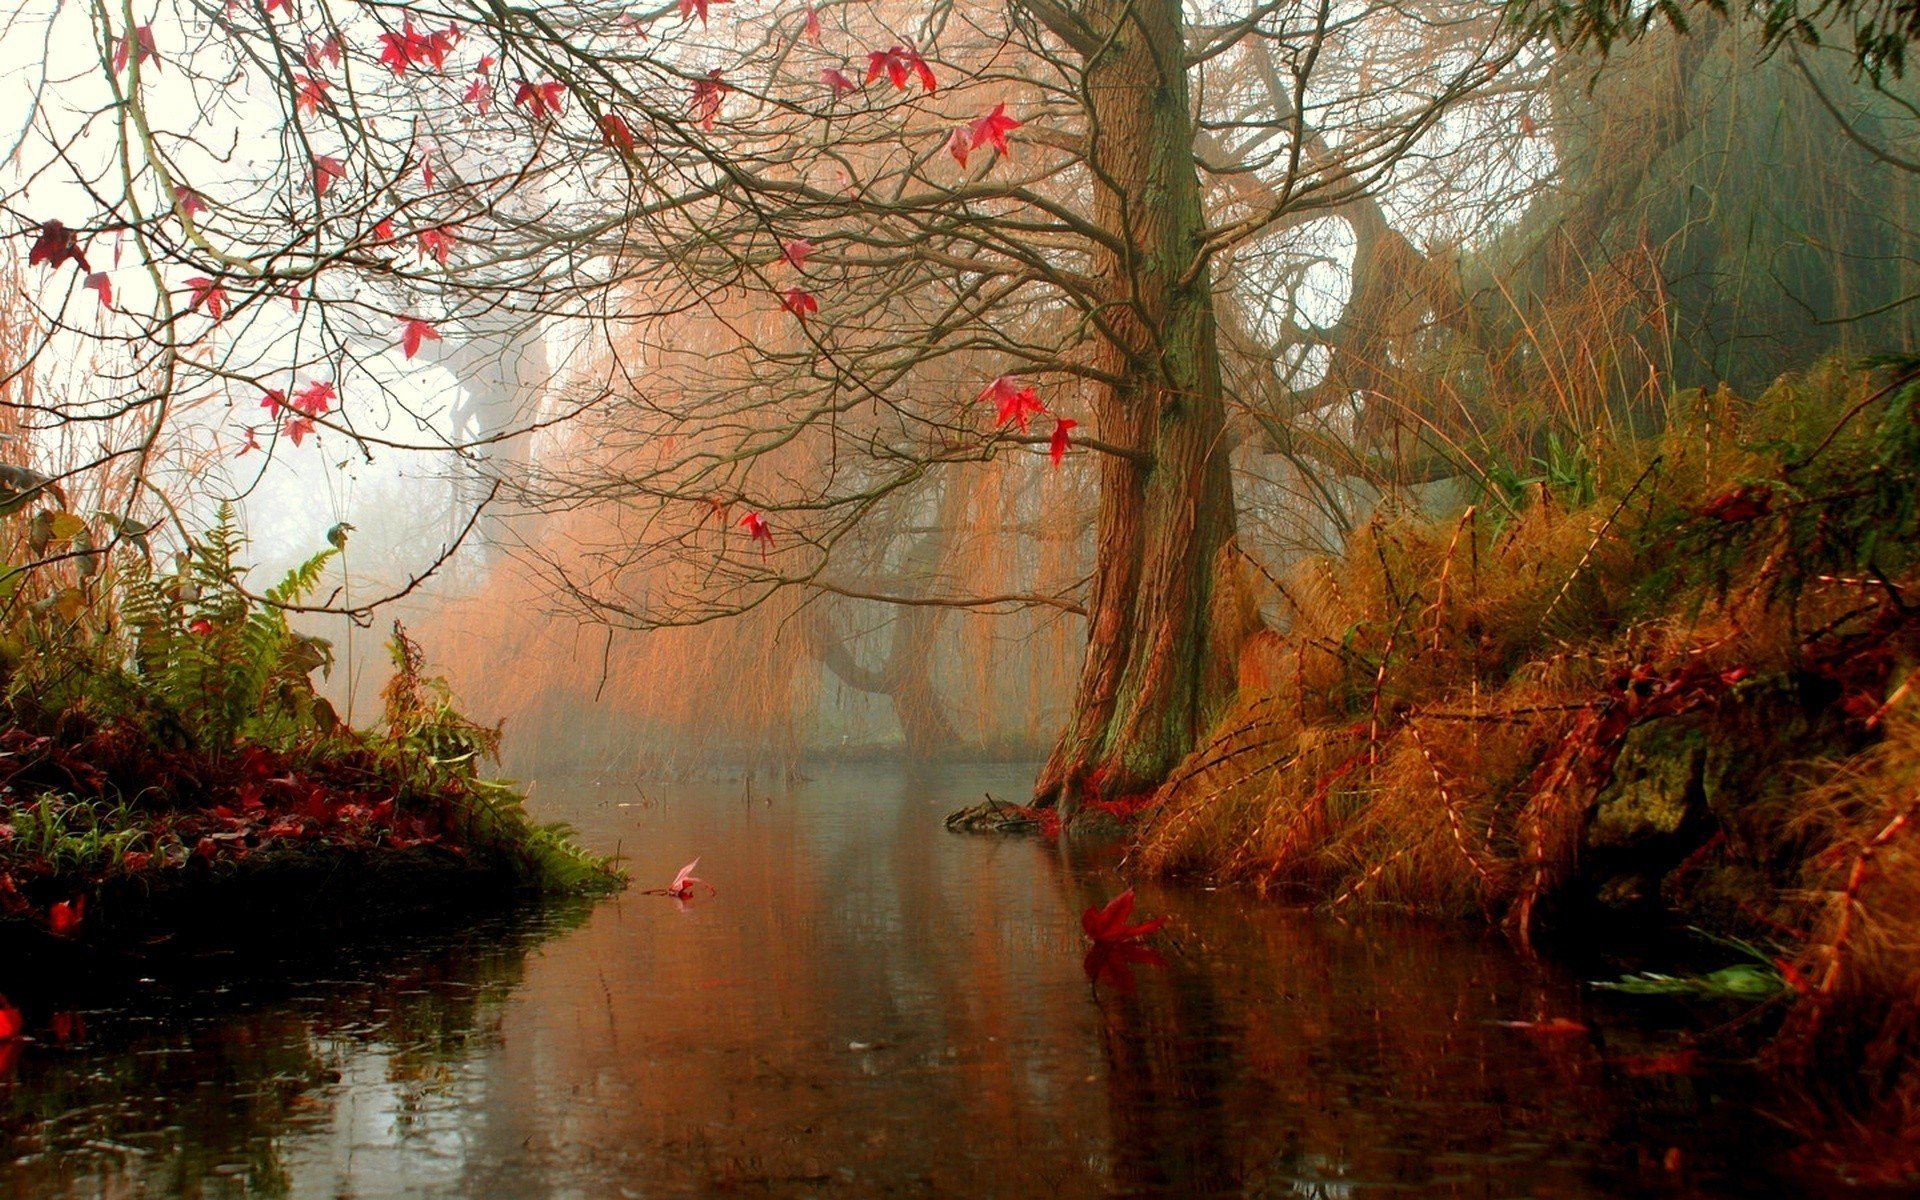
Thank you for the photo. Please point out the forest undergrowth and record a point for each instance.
(161, 738)
(1670, 678)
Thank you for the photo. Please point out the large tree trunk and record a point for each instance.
(1161, 643)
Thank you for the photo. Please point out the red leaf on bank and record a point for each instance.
(1016, 402)
(65, 916)
(414, 333)
(1749, 502)
(200, 627)
(1057, 445)
(1108, 924)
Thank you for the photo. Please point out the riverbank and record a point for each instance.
(1666, 682)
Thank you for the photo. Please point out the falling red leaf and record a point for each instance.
(1016, 402)
(309, 93)
(690, 8)
(614, 132)
(190, 201)
(959, 144)
(208, 293)
(759, 531)
(541, 100)
(142, 38)
(796, 251)
(99, 282)
(1057, 444)
(326, 169)
(435, 244)
(800, 302)
(54, 246)
(11, 1022)
(993, 128)
(707, 95)
(426, 172)
(813, 25)
(65, 916)
(1107, 925)
(413, 333)
(838, 81)
(314, 400)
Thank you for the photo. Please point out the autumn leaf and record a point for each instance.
(899, 64)
(689, 8)
(326, 169)
(64, 918)
(329, 50)
(435, 244)
(758, 529)
(54, 246)
(1057, 444)
(285, 6)
(796, 251)
(614, 132)
(99, 282)
(1107, 925)
(383, 229)
(209, 294)
(838, 81)
(309, 93)
(632, 24)
(707, 95)
(414, 333)
(684, 882)
(252, 442)
(191, 203)
(959, 144)
(314, 400)
(812, 27)
(125, 47)
(1015, 401)
(478, 96)
(11, 1022)
(541, 100)
(993, 128)
(395, 54)
(800, 302)
(273, 401)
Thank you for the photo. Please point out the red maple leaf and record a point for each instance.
(838, 81)
(426, 172)
(614, 132)
(479, 95)
(414, 333)
(99, 282)
(800, 302)
(383, 229)
(329, 50)
(65, 916)
(758, 529)
(273, 402)
(688, 8)
(1108, 925)
(1057, 445)
(960, 144)
(707, 95)
(142, 39)
(992, 129)
(252, 442)
(813, 25)
(326, 169)
(209, 293)
(191, 202)
(435, 244)
(684, 880)
(200, 627)
(397, 50)
(309, 93)
(796, 252)
(1015, 401)
(314, 400)
(1113, 963)
(285, 6)
(632, 24)
(11, 1022)
(890, 63)
(54, 246)
(298, 429)
(541, 100)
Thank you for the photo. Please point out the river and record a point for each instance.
(871, 1006)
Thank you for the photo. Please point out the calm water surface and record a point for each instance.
(871, 1006)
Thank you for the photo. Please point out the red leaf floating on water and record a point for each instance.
(1107, 925)
(1113, 962)
(1057, 445)
(414, 333)
(65, 916)
(1015, 401)
(1548, 1026)
(684, 882)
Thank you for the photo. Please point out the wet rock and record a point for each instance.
(1656, 791)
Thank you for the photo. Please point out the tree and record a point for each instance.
(842, 262)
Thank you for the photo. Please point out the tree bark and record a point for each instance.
(1162, 636)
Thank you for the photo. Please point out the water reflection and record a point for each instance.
(872, 1006)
